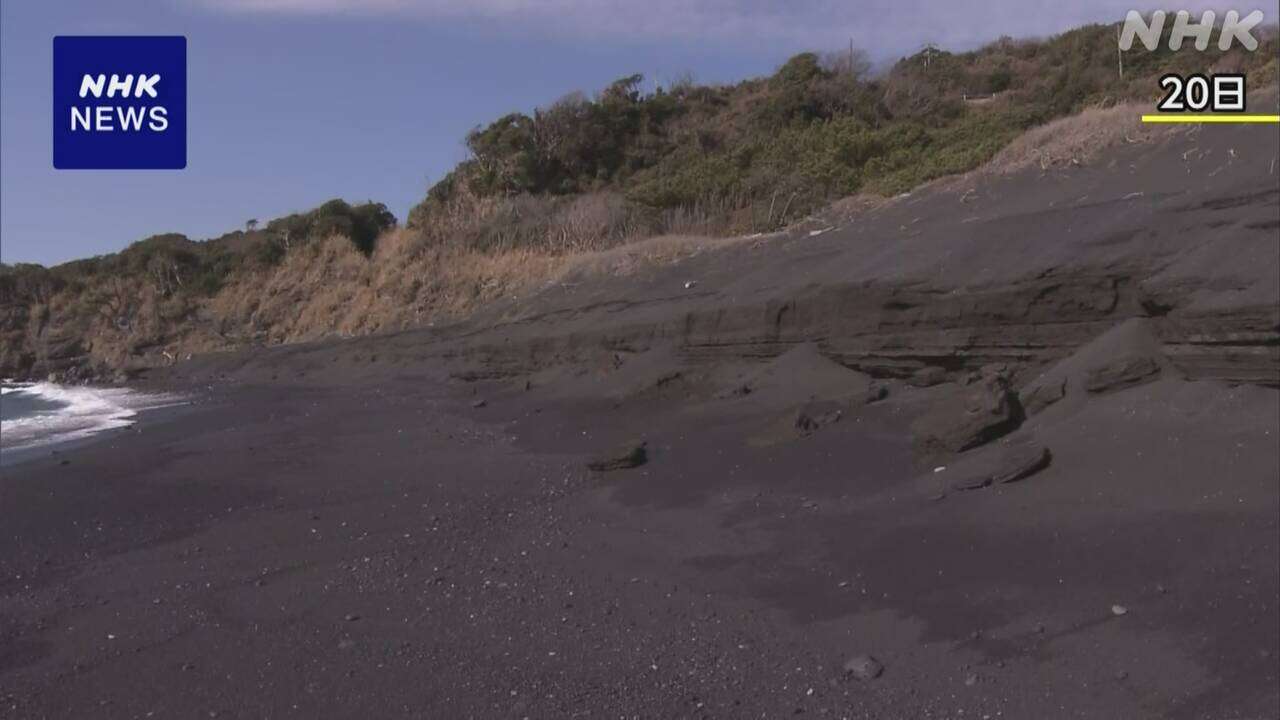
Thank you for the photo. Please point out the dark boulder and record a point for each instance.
(1010, 464)
(972, 482)
(1121, 373)
(1043, 395)
(981, 412)
(811, 419)
(928, 376)
(622, 458)
(876, 393)
(1022, 461)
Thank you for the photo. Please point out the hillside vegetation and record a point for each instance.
(579, 176)
(765, 152)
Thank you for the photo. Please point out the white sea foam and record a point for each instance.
(71, 412)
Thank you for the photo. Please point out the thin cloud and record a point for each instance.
(876, 25)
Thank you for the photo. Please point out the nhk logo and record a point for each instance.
(101, 118)
(119, 103)
(1233, 29)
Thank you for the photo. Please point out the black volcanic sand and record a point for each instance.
(387, 549)
(405, 525)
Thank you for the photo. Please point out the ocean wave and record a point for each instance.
(71, 413)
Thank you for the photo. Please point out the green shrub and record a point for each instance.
(362, 224)
(772, 149)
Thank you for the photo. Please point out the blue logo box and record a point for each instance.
(119, 103)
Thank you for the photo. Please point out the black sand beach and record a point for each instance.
(1020, 450)
(389, 549)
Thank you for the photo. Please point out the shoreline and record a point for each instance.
(147, 408)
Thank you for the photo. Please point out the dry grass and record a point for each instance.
(628, 259)
(329, 289)
(547, 223)
(1078, 139)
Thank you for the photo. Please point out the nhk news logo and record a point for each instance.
(119, 103)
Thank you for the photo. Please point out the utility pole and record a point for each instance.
(1119, 52)
(929, 49)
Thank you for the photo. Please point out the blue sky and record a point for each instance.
(293, 102)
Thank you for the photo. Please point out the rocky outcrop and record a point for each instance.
(979, 413)
(1121, 372)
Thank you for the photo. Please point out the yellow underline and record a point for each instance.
(1193, 118)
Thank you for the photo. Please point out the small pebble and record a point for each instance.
(864, 667)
